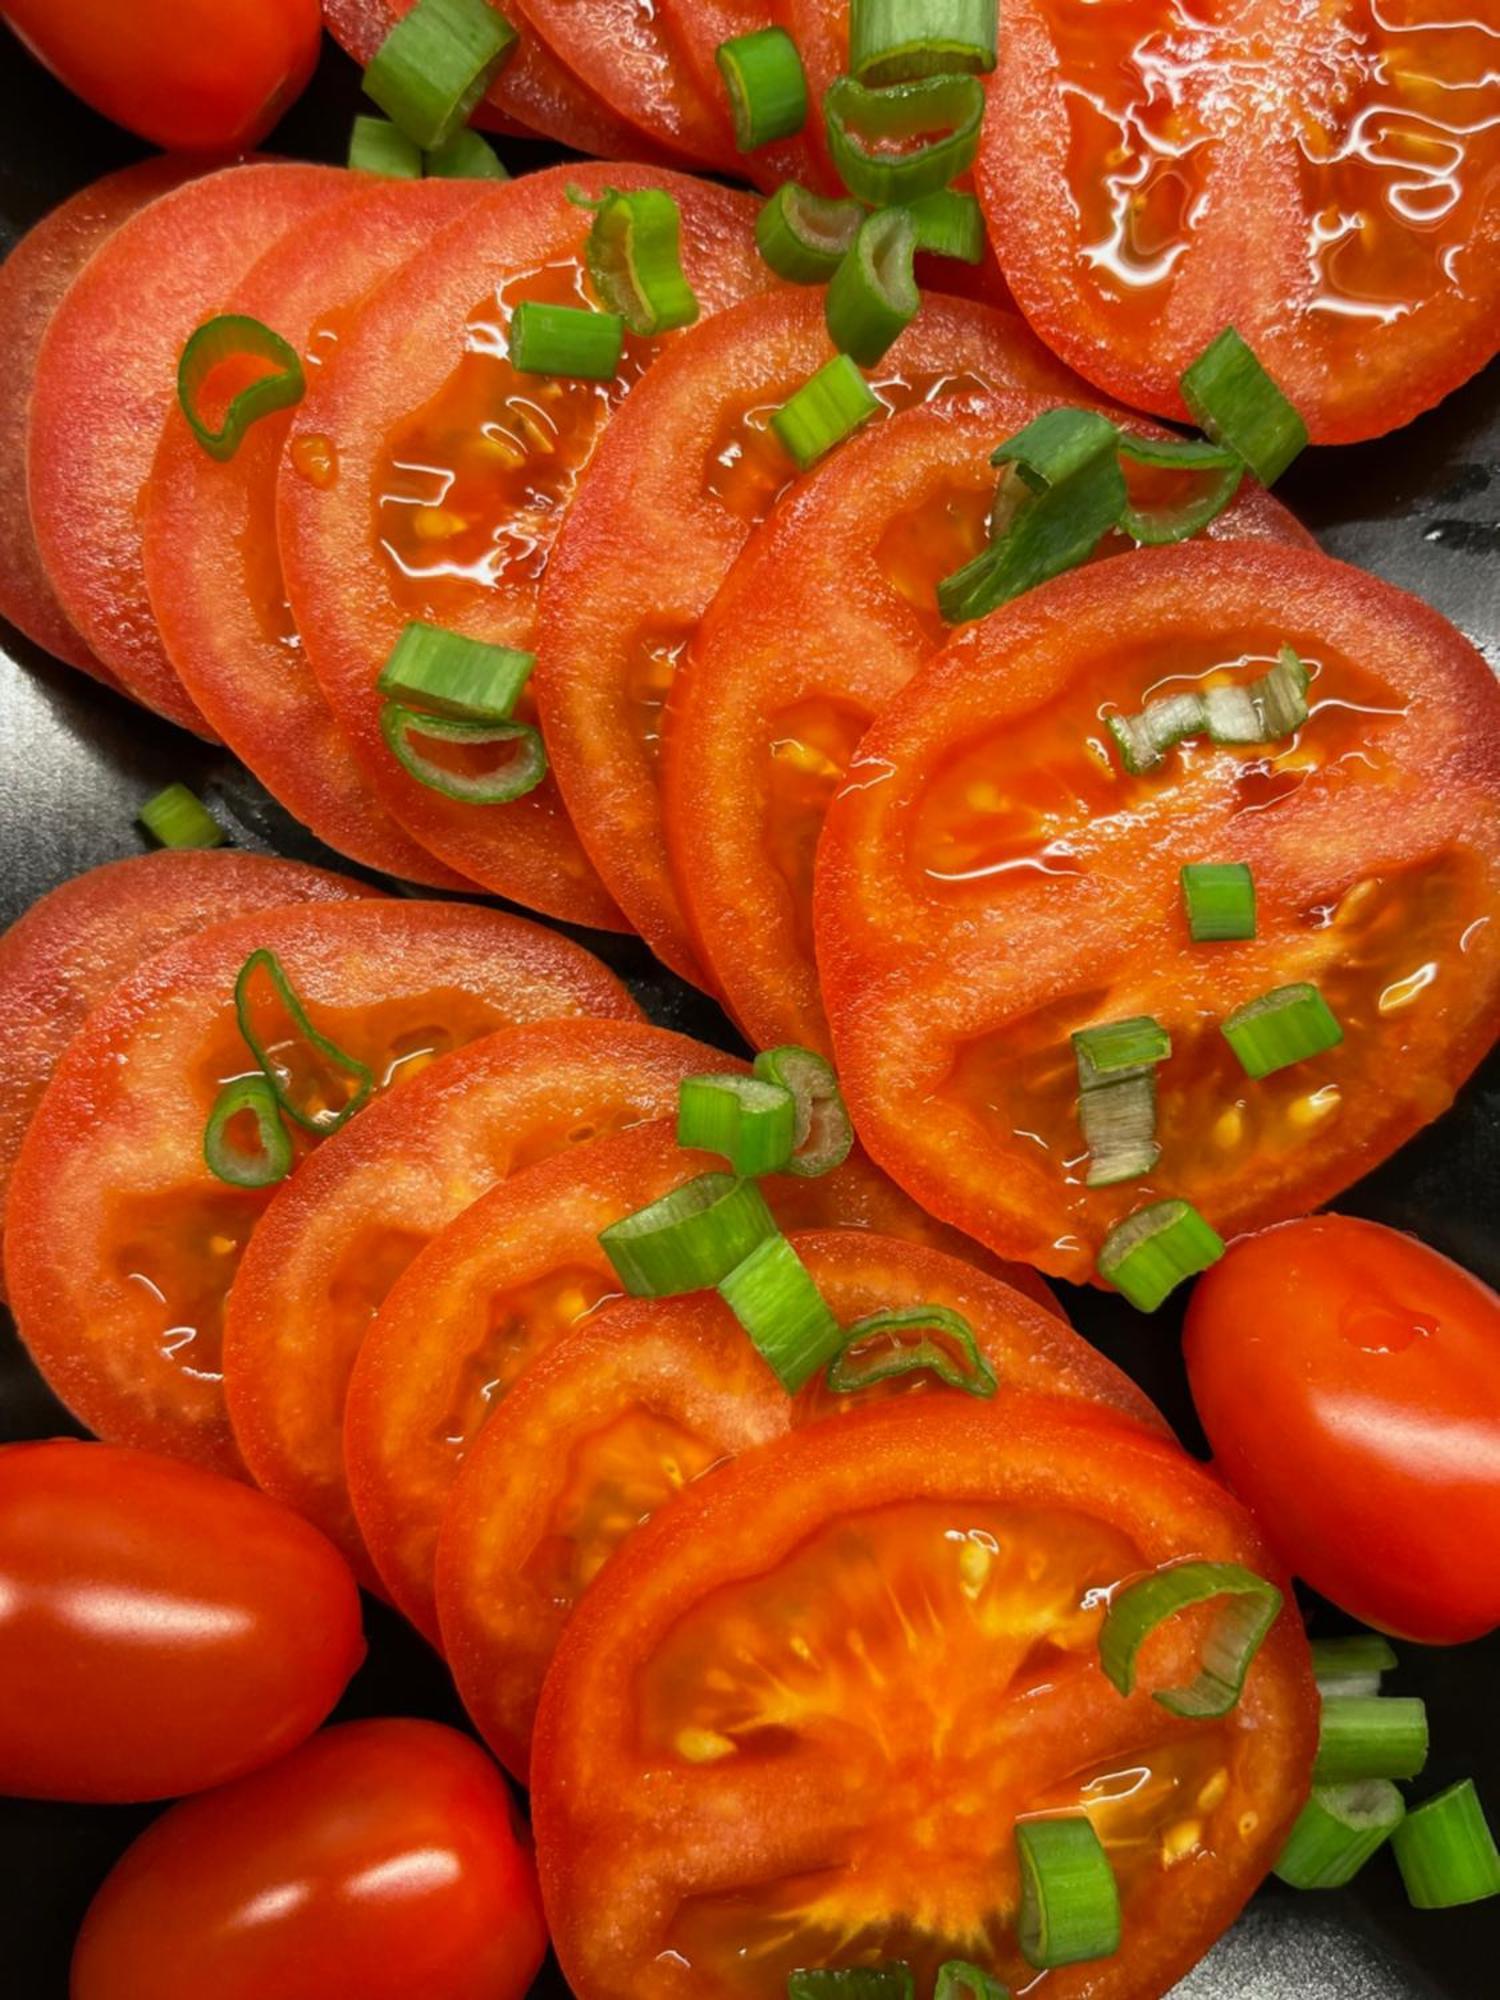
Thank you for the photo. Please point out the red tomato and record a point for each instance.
(1349, 1380)
(194, 76)
(161, 1629)
(380, 1860)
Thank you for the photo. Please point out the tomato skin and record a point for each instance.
(189, 75)
(381, 1859)
(161, 1629)
(1349, 1380)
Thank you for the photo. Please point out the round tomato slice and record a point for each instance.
(825, 617)
(1323, 182)
(1004, 883)
(105, 380)
(684, 473)
(425, 478)
(120, 1242)
(795, 1719)
(644, 1395)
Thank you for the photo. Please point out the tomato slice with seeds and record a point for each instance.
(640, 1396)
(990, 880)
(120, 1243)
(796, 1717)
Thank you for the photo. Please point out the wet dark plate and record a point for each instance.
(1421, 508)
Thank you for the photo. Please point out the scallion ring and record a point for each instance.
(880, 1348)
(635, 261)
(566, 340)
(1248, 1608)
(465, 157)
(804, 236)
(1234, 399)
(894, 41)
(1119, 1130)
(229, 338)
(825, 1136)
(1285, 1026)
(873, 297)
(522, 765)
(1446, 1851)
(1337, 1831)
(949, 224)
(774, 1297)
(870, 135)
(1219, 899)
(450, 674)
(1147, 1256)
(1070, 1902)
(690, 1238)
(1116, 1049)
(1353, 1664)
(227, 1157)
(829, 407)
(1217, 471)
(751, 1123)
(1370, 1736)
(317, 1084)
(892, 1981)
(177, 817)
(766, 86)
(436, 64)
(958, 1980)
(376, 146)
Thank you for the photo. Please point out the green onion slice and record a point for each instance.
(465, 157)
(775, 1299)
(1446, 1851)
(269, 1160)
(804, 236)
(690, 1239)
(949, 224)
(1070, 1903)
(635, 261)
(825, 1135)
(1118, 1049)
(522, 765)
(751, 1123)
(1144, 739)
(1370, 1736)
(566, 340)
(892, 1981)
(178, 818)
(1148, 1255)
(1338, 1830)
(376, 146)
(1119, 1129)
(436, 64)
(452, 675)
(872, 135)
(1250, 1607)
(829, 407)
(766, 85)
(1218, 473)
(1233, 398)
(895, 41)
(1263, 710)
(1353, 1664)
(1282, 1027)
(874, 296)
(876, 1349)
(957, 1980)
(236, 337)
(317, 1084)
(1219, 897)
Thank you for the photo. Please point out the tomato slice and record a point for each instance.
(1324, 181)
(426, 478)
(1004, 883)
(794, 1720)
(825, 617)
(120, 1243)
(640, 1396)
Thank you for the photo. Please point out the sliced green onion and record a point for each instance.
(893, 41)
(1118, 1049)
(376, 146)
(317, 1084)
(521, 770)
(1338, 1830)
(1148, 1255)
(766, 86)
(635, 261)
(1446, 1851)
(1250, 1607)
(1370, 1736)
(874, 295)
(751, 1123)
(870, 134)
(958, 1980)
(436, 64)
(1220, 470)
(829, 407)
(876, 1349)
(1144, 739)
(690, 1238)
(234, 337)
(452, 675)
(1070, 1903)
(804, 236)
(775, 1299)
(1263, 710)
(566, 340)
(855, 1982)
(825, 1136)
(465, 157)
(949, 224)
(1282, 1027)
(1219, 897)
(227, 1158)
(1233, 398)
(178, 818)
(1119, 1129)
(1352, 1665)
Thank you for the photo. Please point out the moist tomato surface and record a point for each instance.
(991, 880)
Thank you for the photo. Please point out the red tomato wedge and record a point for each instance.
(209, 532)
(643, 1396)
(795, 1719)
(106, 379)
(823, 620)
(686, 470)
(507, 1278)
(1325, 182)
(120, 1243)
(426, 478)
(990, 881)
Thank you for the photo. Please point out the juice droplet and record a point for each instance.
(316, 458)
(1376, 1328)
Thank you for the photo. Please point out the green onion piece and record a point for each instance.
(1260, 711)
(804, 236)
(1282, 1027)
(1118, 1049)
(1219, 897)
(1144, 739)
(178, 818)
(1233, 398)
(825, 1136)
(829, 407)
(894, 41)
(1070, 1903)
(958, 1980)
(1446, 1851)
(690, 1238)
(1119, 1129)
(465, 157)
(451, 675)
(1370, 1736)
(1352, 1665)
(870, 134)
(317, 1084)
(949, 224)
(635, 261)
(876, 1350)
(874, 293)
(766, 86)
(234, 337)
(1338, 1830)
(1249, 1609)
(1148, 1255)
(566, 340)
(751, 1123)
(856, 1982)
(1221, 472)
(775, 1299)
(226, 1155)
(436, 64)
(376, 146)
(521, 769)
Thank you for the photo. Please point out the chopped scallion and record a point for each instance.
(1446, 1851)
(436, 64)
(1338, 1830)
(825, 1136)
(773, 1296)
(465, 157)
(443, 671)
(892, 1981)
(1353, 1664)
(751, 1123)
(895, 41)
(1370, 1736)
(178, 818)
(1233, 398)
(949, 224)
(1218, 472)
(635, 261)
(690, 1239)
(317, 1084)
(1219, 897)
(235, 337)
(566, 340)
(829, 407)
(522, 755)
(1282, 1027)
(957, 1980)
(804, 236)
(1249, 1608)
(871, 135)
(1263, 710)
(879, 1349)
(1148, 1255)
(874, 296)
(1070, 1902)
(1144, 739)
(1119, 1129)
(1117, 1049)
(376, 146)
(228, 1158)
(766, 85)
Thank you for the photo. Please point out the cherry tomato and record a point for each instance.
(382, 1860)
(161, 1629)
(1349, 1380)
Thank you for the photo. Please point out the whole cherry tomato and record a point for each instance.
(1349, 1380)
(161, 1629)
(381, 1861)
(190, 75)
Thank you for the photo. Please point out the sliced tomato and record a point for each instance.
(1005, 883)
(209, 533)
(105, 381)
(642, 1396)
(1323, 182)
(796, 1718)
(120, 1243)
(426, 478)
(825, 617)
